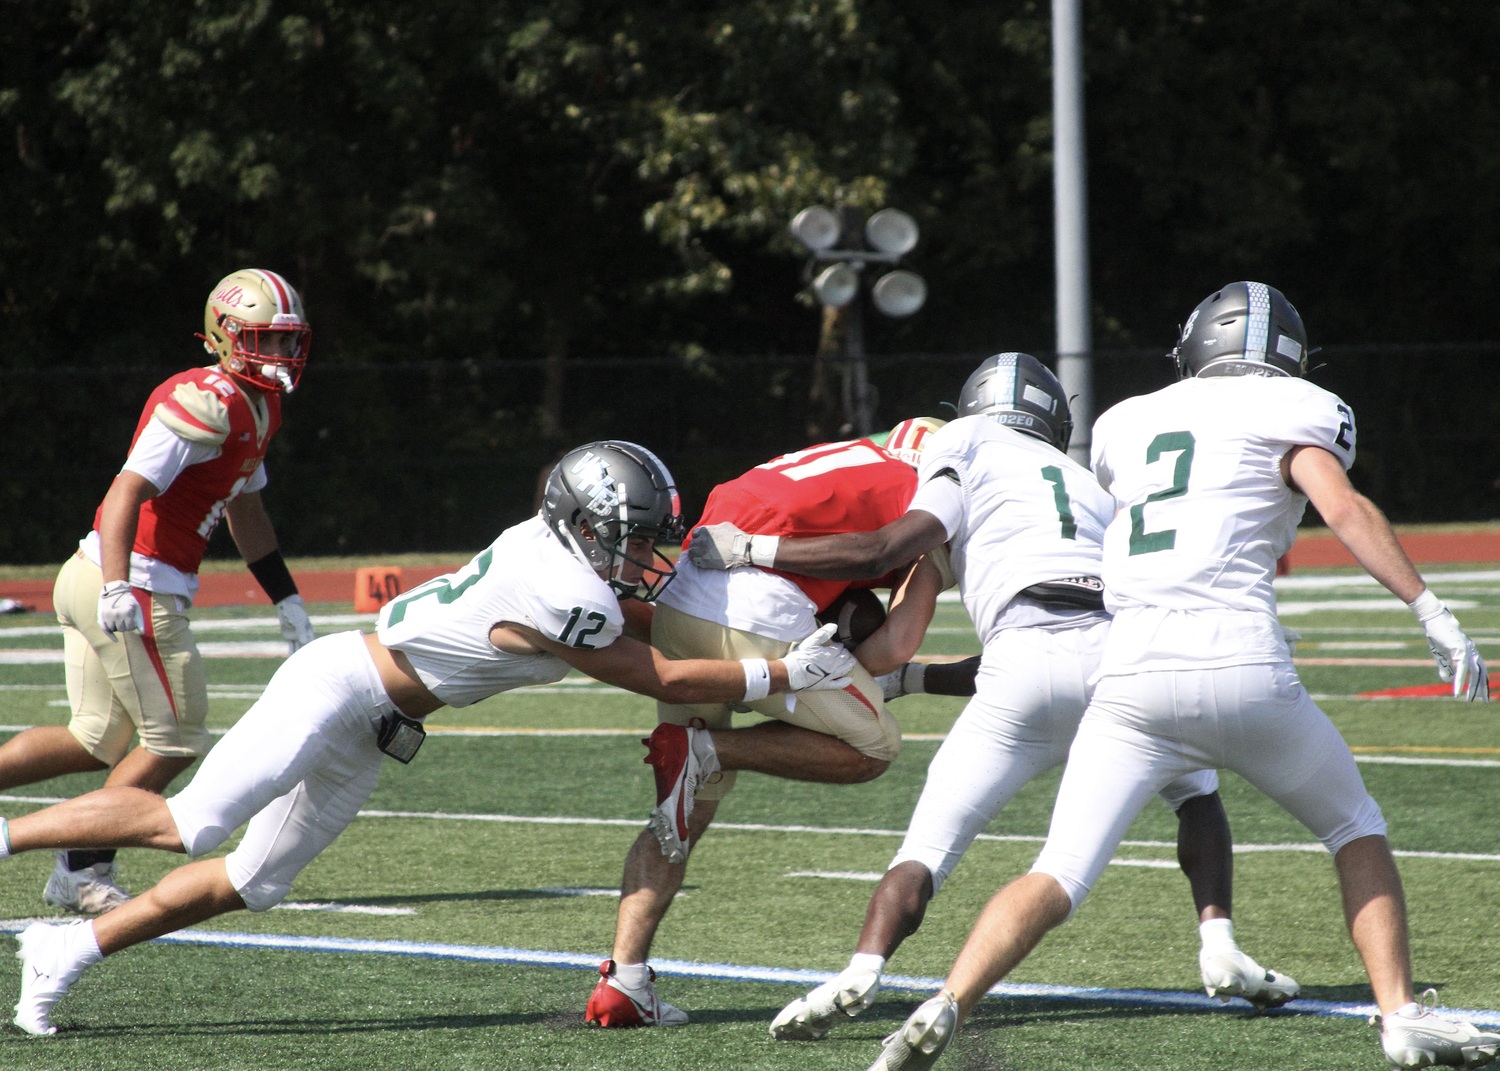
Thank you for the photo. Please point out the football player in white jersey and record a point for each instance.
(1212, 475)
(1024, 525)
(542, 599)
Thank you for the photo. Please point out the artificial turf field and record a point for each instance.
(457, 924)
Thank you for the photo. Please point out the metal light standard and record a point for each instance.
(840, 245)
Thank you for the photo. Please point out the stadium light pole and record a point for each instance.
(1075, 359)
(840, 245)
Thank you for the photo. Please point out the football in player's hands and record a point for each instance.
(857, 613)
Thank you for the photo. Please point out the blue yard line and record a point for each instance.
(728, 972)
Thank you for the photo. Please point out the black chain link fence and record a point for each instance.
(440, 456)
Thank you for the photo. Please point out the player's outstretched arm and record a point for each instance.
(817, 663)
(1363, 529)
(849, 556)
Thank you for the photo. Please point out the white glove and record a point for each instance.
(723, 546)
(1291, 636)
(1452, 650)
(296, 626)
(118, 609)
(818, 663)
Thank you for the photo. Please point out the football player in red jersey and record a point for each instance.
(122, 600)
(838, 736)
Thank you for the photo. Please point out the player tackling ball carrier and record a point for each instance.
(543, 598)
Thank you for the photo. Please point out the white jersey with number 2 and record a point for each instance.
(1204, 514)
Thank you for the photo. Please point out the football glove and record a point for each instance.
(1456, 657)
(118, 609)
(818, 663)
(296, 626)
(723, 546)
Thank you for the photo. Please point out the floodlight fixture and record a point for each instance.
(892, 231)
(899, 293)
(836, 285)
(817, 227)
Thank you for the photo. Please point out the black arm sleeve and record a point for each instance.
(273, 576)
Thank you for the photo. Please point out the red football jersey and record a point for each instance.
(175, 526)
(829, 489)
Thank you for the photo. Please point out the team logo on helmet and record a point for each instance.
(602, 495)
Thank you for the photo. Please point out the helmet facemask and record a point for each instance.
(254, 325)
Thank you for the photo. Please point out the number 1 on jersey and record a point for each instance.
(1069, 527)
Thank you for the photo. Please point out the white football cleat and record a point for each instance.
(1234, 974)
(52, 958)
(810, 1017)
(922, 1038)
(90, 891)
(1422, 1038)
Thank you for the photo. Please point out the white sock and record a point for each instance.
(1217, 936)
(707, 754)
(632, 975)
(4, 839)
(867, 961)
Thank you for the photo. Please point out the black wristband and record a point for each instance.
(273, 576)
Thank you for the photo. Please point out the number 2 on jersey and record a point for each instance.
(442, 588)
(1142, 541)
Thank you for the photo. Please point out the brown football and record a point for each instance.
(857, 612)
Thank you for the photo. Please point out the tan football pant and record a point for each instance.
(860, 720)
(148, 682)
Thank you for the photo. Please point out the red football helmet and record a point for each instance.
(254, 324)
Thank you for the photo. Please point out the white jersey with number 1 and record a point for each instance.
(1027, 513)
(1204, 514)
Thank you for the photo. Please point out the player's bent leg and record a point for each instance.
(1204, 851)
(87, 881)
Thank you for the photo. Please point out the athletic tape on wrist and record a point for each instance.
(1426, 606)
(757, 679)
(763, 550)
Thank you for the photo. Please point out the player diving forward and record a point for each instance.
(542, 598)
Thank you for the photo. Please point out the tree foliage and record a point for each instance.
(548, 184)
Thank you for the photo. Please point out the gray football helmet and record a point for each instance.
(602, 494)
(1021, 392)
(1243, 329)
